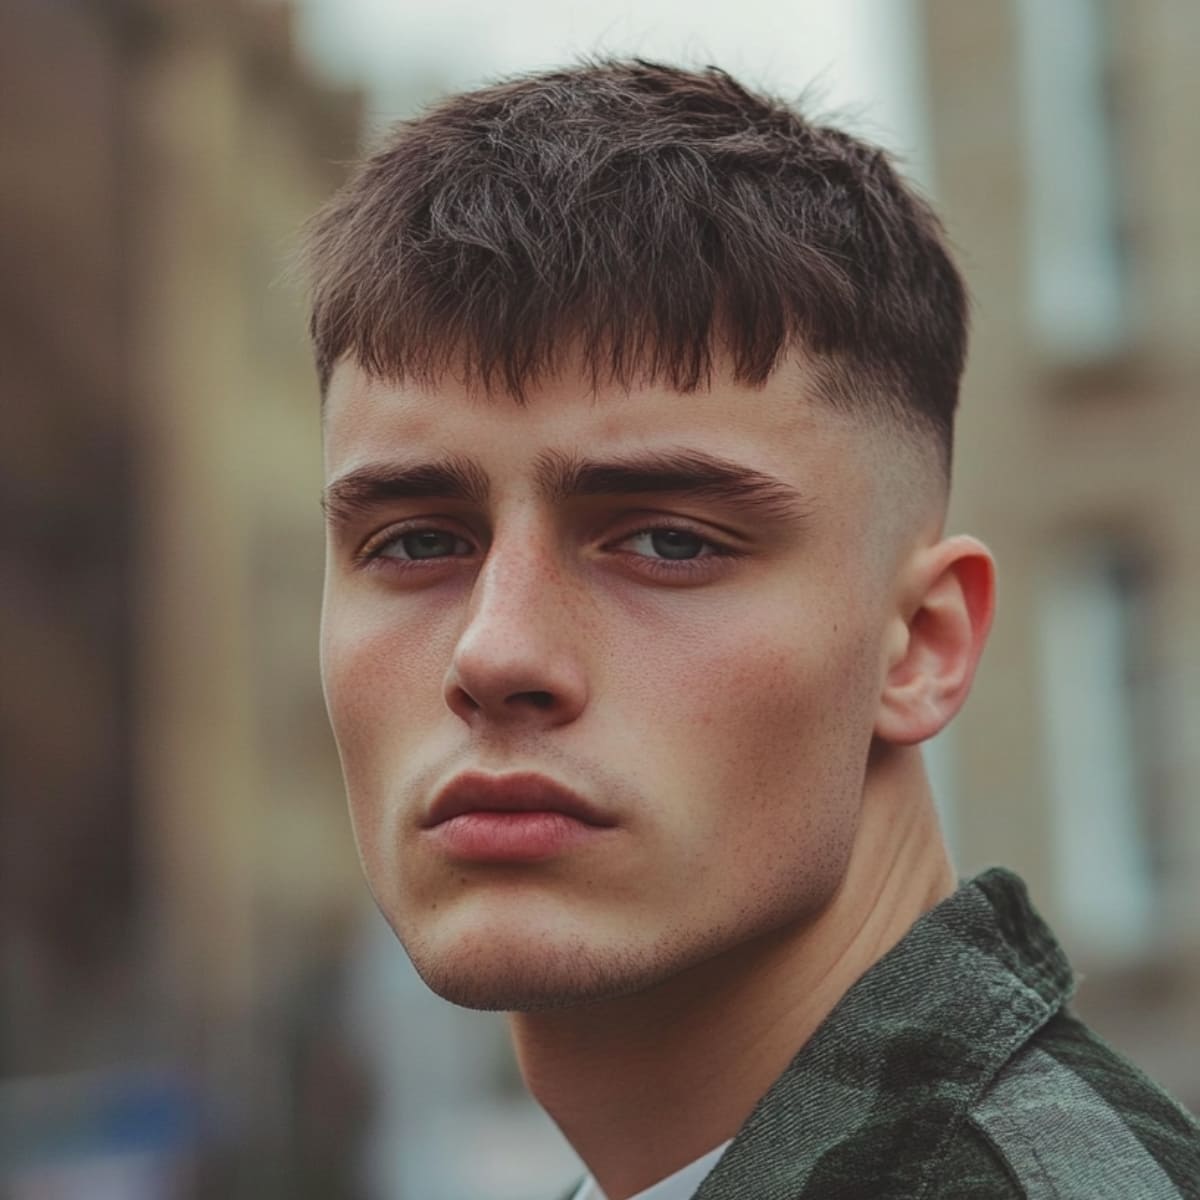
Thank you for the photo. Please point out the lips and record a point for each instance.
(476, 792)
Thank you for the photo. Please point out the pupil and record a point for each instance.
(675, 543)
(427, 544)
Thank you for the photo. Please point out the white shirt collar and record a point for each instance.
(680, 1185)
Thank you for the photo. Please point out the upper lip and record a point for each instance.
(474, 791)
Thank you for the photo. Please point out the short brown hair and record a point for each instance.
(645, 217)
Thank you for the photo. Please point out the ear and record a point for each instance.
(947, 598)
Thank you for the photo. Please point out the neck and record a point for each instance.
(644, 1084)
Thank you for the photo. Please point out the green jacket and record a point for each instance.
(952, 1070)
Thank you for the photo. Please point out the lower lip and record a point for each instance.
(511, 836)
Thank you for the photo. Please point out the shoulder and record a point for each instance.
(1068, 1118)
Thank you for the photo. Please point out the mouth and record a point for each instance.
(511, 818)
(475, 792)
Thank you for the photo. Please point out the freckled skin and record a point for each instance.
(724, 724)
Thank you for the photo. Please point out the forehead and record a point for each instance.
(776, 428)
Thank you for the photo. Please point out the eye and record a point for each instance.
(417, 545)
(671, 544)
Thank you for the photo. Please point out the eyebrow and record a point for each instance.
(372, 486)
(679, 472)
(560, 477)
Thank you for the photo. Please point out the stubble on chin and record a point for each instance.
(564, 979)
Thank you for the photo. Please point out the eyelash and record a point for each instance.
(371, 557)
(679, 566)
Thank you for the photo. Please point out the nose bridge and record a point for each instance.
(515, 653)
(518, 580)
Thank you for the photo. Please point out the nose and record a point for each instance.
(519, 659)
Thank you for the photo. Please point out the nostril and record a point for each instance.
(537, 699)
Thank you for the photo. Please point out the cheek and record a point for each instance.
(760, 677)
(381, 673)
(796, 774)
(762, 726)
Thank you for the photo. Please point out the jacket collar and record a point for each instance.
(871, 1099)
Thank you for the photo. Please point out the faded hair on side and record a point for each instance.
(642, 219)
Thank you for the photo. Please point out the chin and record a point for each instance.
(529, 972)
(492, 994)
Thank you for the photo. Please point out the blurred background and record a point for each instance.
(198, 999)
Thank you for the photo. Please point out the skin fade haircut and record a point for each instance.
(641, 220)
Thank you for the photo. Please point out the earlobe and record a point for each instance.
(935, 643)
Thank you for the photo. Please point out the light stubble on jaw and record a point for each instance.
(568, 977)
(547, 974)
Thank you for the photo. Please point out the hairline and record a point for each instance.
(919, 441)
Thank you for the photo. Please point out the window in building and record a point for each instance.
(1076, 261)
(1097, 692)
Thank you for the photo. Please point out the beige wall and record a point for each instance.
(1051, 453)
(247, 845)
(177, 853)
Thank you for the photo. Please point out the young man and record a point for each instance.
(639, 394)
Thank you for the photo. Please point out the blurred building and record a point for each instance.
(1068, 169)
(180, 906)
(176, 861)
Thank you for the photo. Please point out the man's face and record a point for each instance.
(700, 664)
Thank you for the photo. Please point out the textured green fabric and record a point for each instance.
(952, 1071)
